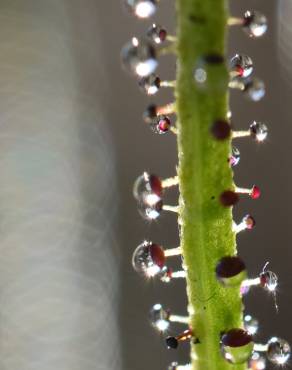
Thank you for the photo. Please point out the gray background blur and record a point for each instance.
(72, 143)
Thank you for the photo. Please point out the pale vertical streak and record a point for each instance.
(58, 268)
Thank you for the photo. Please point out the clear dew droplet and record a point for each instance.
(159, 318)
(160, 124)
(139, 57)
(251, 325)
(157, 33)
(141, 8)
(255, 23)
(259, 131)
(241, 65)
(150, 85)
(278, 351)
(254, 89)
(147, 183)
(269, 280)
(148, 259)
(150, 206)
(257, 361)
(237, 346)
(235, 157)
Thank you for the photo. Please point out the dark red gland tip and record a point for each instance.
(255, 192)
(221, 130)
(162, 34)
(171, 342)
(157, 255)
(155, 185)
(228, 198)
(236, 338)
(229, 267)
(164, 124)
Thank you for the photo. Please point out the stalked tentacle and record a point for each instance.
(253, 88)
(210, 264)
(162, 318)
(253, 23)
(277, 350)
(173, 342)
(149, 258)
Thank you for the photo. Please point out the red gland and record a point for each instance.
(155, 185)
(240, 71)
(162, 34)
(157, 255)
(164, 124)
(221, 130)
(228, 198)
(255, 192)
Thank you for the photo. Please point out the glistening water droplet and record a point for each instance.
(141, 8)
(147, 183)
(236, 346)
(150, 85)
(139, 57)
(251, 324)
(259, 131)
(157, 33)
(254, 89)
(159, 318)
(269, 280)
(278, 351)
(241, 65)
(148, 259)
(255, 23)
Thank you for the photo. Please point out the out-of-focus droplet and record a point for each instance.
(148, 259)
(231, 271)
(141, 8)
(150, 85)
(161, 124)
(147, 183)
(241, 65)
(159, 318)
(157, 33)
(150, 113)
(259, 131)
(249, 222)
(237, 346)
(269, 280)
(251, 324)
(235, 157)
(257, 361)
(139, 57)
(278, 351)
(254, 89)
(255, 23)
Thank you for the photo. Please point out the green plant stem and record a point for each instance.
(204, 172)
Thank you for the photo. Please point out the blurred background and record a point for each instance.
(72, 141)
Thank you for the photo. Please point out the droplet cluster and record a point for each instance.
(140, 57)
